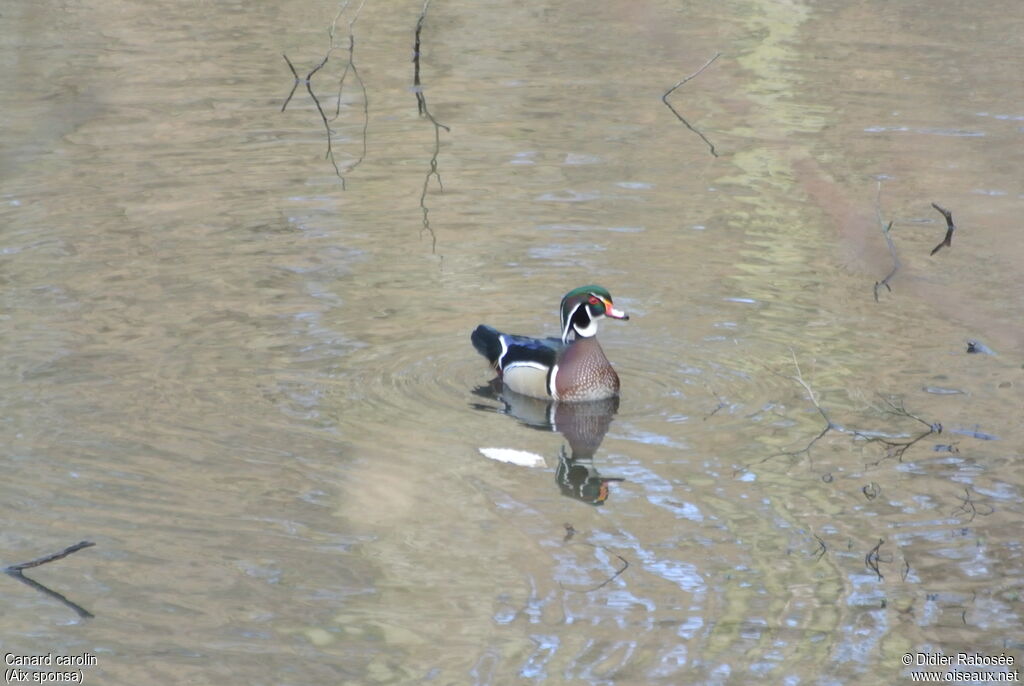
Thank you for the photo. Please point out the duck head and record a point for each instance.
(582, 307)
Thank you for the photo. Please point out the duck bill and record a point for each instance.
(610, 311)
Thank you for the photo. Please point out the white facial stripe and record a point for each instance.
(567, 324)
(504, 351)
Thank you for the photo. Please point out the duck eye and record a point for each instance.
(594, 300)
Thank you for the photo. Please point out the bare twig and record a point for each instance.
(625, 566)
(896, 448)
(822, 548)
(968, 506)
(950, 228)
(18, 568)
(895, 261)
(872, 559)
(424, 111)
(350, 66)
(78, 609)
(721, 404)
(886, 229)
(664, 99)
(829, 424)
(17, 572)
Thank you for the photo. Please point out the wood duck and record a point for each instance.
(572, 368)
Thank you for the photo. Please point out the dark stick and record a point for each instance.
(895, 262)
(625, 566)
(342, 6)
(888, 241)
(968, 506)
(16, 569)
(351, 66)
(664, 99)
(896, 448)
(81, 611)
(17, 572)
(950, 228)
(829, 424)
(822, 549)
(872, 559)
(424, 111)
(294, 85)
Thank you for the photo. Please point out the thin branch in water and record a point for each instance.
(78, 609)
(613, 577)
(424, 111)
(822, 549)
(309, 88)
(17, 572)
(829, 424)
(721, 404)
(308, 82)
(888, 241)
(895, 262)
(18, 568)
(664, 99)
(950, 228)
(350, 66)
(968, 506)
(896, 448)
(872, 559)
(295, 85)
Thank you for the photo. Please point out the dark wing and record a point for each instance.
(542, 351)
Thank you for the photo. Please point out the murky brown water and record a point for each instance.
(255, 391)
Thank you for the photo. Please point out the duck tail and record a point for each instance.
(487, 341)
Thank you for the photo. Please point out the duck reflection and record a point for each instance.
(582, 424)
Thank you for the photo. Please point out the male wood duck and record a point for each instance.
(572, 368)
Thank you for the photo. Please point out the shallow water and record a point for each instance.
(254, 389)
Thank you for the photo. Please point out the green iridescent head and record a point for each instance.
(582, 307)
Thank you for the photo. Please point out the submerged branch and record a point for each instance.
(350, 66)
(969, 507)
(17, 572)
(895, 446)
(886, 228)
(872, 559)
(613, 577)
(424, 111)
(18, 568)
(308, 82)
(664, 99)
(950, 228)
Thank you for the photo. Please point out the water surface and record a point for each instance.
(254, 390)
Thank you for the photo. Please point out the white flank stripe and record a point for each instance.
(527, 363)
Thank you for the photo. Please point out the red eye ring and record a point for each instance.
(594, 300)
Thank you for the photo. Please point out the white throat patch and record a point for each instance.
(587, 331)
(584, 332)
